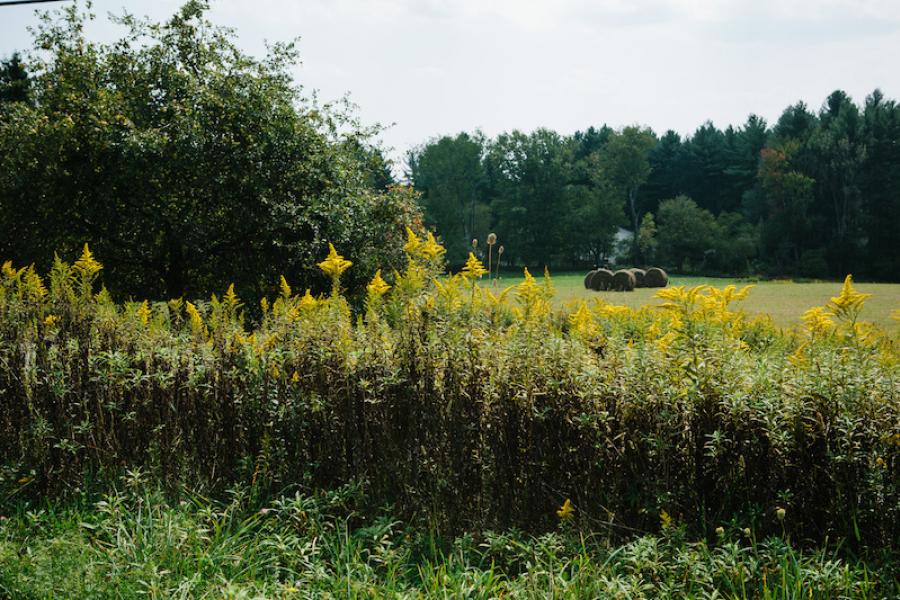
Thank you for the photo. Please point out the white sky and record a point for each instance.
(436, 67)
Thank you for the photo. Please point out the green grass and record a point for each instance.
(139, 544)
(784, 301)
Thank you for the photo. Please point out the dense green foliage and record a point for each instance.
(137, 543)
(813, 195)
(460, 406)
(186, 162)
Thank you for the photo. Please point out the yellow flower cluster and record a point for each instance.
(196, 319)
(86, 264)
(845, 307)
(849, 302)
(143, 312)
(582, 321)
(335, 264)
(430, 249)
(377, 287)
(705, 298)
(566, 512)
(284, 288)
(307, 301)
(230, 298)
(473, 269)
(818, 320)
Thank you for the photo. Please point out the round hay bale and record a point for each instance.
(602, 280)
(656, 278)
(639, 275)
(587, 279)
(623, 281)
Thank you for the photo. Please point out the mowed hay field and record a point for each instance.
(784, 300)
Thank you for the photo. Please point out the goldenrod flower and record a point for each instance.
(431, 249)
(8, 270)
(307, 300)
(34, 285)
(582, 321)
(665, 520)
(196, 320)
(86, 263)
(473, 268)
(720, 531)
(665, 342)
(566, 511)
(230, 298)
(798, 356)
(817, 320)
(334, 264)
(378, 287)
(614, 310)
(495, 301)
(528, 290)
(674, 294)
(295, 378)
(50, 320)
(849, 301)
(284, 288)
(413, 242)
(143, 312)
(780, 513)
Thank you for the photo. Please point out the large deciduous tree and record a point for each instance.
(449, 173)
(529, 175)
(624, 163)
(187, 163)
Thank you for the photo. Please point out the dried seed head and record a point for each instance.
(500, 250)
(492, 239)
(474, 243)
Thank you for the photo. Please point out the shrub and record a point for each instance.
(236, 164)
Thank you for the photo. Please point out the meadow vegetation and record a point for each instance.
(784, 300)
(464, 410)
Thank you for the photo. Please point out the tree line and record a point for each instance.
(188, 164)
(817, 194)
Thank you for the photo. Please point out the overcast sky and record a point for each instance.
(435, 67)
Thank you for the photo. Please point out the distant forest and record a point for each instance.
(817, 194)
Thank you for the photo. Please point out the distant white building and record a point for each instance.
(624, 239)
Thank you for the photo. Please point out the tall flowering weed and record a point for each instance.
(468, 406)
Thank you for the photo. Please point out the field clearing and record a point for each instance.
(784, 300)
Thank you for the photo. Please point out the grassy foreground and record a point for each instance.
(136, 543)
(783, 300)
